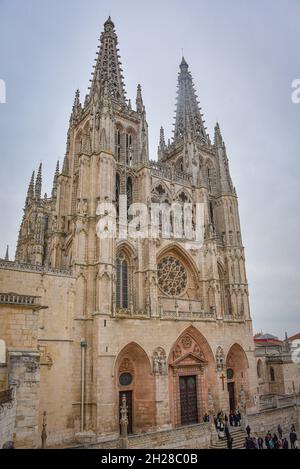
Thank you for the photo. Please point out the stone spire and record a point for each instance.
(225, 178)
(108, 66)
(7, 254)
(188, 121)
(162, 142)
(30, 192)
(77, 108)
(218, 140)
(56, 174)
(38, 183)
(139, 100)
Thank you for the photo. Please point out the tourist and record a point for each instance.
(229, 442)
(248, 430)
(285, 444)
(8, 445)
(231, 418)
(293, 438)
(279, 429)
(221, 429)
(260, 443)
(239, 418)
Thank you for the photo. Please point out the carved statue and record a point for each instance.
(220, 359)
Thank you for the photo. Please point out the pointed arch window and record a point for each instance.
(117, 194)
(129, 149)
(129, 191)
(122, 293)
(118, 144)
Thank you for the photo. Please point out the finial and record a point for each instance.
(109, 25)
(184, 65)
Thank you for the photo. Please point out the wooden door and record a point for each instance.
(230, 387)
(188, 400)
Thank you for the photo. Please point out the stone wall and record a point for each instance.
(193, 437)
(7, 420)
(268, 420)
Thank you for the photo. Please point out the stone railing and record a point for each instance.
(267, 402)
(187, 316)
(169, 172)
(128, 313)
(183, 309)
(15, 299)
(231, 318)
(273, 401)
(9, 265)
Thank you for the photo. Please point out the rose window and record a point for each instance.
(172, 276)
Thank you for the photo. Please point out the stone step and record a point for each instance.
(238, 440)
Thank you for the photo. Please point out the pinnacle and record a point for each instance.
(184, 64)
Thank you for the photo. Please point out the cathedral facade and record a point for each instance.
(88, 319)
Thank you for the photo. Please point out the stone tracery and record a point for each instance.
(172, 276)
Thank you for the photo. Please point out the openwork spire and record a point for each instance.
(189, 120)
(108, 66)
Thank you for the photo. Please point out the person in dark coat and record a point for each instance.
(229, 442)
(8, 445)
(260, 443)
(285, 444)
(248, 430)
(293, 438)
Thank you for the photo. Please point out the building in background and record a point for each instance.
(276, 371)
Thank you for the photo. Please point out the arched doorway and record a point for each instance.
(237, 376)
(135, 381)
(191, 378)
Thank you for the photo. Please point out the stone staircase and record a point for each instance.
(238, 436)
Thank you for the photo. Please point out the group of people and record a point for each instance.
(269, 441)
(222, 422)
(272, 441)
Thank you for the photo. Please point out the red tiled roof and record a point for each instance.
(267, 341)
(294, 337)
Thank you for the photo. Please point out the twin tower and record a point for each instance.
(154, 316)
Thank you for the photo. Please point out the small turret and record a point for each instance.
(7, 254)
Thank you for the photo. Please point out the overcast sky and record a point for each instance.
(243, 56)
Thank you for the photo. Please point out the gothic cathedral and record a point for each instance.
(166, 325)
